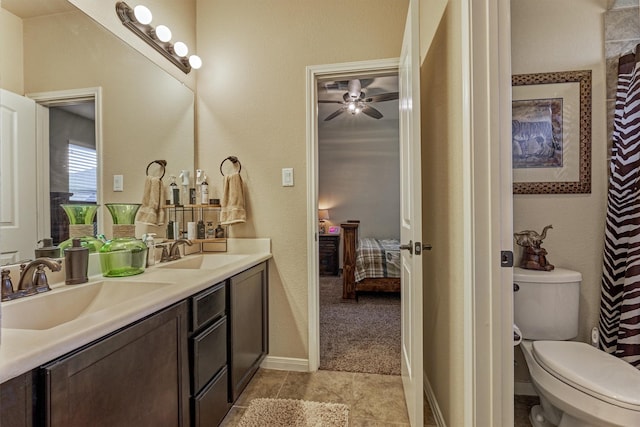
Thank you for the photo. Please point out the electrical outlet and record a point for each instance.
(118, 182)
(287, 177)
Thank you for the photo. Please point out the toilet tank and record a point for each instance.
(546, 303)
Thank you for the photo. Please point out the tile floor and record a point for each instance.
(374, 400)
(522, 406)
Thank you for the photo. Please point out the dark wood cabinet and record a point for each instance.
(16, 402)
(208, 345)
(248, 328)
(329, 247)
(184, 365)
(134, 377)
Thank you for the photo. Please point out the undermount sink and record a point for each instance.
(53, 308)
(204, 262)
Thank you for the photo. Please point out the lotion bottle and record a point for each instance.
(204, 191)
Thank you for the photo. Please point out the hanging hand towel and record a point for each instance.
(152, 210)
(232, 204)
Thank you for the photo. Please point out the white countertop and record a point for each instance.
(24, 349)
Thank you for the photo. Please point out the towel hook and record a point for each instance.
(163, 165)
(234, 160)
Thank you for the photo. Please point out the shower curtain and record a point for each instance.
(619, 324)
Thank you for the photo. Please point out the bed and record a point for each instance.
(368, 265)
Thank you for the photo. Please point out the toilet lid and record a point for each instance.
(590, 370)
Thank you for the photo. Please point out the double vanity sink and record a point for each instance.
(40, 328)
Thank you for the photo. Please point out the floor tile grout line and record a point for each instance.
(282, 385)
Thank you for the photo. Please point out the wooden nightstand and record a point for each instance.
(329, 248)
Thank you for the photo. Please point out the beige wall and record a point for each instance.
(11, 61)
(552, 35)
(441, 104)
(251, 104)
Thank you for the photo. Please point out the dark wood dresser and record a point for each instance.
(329, 250)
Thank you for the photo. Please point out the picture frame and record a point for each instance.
(551, 132)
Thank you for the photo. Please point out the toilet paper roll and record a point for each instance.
(191, 230)
(517, 335)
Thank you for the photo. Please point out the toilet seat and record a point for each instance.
(594, 372)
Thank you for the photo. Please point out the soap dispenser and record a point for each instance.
(76, 263)
(148, 240)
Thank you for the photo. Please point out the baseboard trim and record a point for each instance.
(433, 403)
(285, 364)
(523, 388)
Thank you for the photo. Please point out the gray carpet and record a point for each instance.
(359, 337)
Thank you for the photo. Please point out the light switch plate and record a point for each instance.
(287, 177)
(118, 182)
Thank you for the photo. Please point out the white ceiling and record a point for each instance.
(32, 8)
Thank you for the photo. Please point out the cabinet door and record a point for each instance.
(248, 325)
(16, 402)
(138, 376)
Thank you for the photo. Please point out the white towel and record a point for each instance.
(232, 209)
(152, 210)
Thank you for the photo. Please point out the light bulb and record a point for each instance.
(195, 62)
(352, 106)
(142, 14)
(180, 49)
(163, 33)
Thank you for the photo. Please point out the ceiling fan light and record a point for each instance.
(352, 106)
(142, 14)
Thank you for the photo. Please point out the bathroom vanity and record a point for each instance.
(183, 359)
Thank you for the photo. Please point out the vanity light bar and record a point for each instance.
(149, 34)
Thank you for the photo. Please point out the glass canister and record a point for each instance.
(81, 227)
(123, 255)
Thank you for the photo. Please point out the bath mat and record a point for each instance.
(291, 412)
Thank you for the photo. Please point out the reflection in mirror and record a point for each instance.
(73, 163)
(145, 113)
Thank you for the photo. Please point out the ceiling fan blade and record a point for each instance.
(366, 82)
(371, 112)
(329, 101)
(334, 114)
(390, 96)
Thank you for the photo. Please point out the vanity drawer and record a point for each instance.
(208, 305)
(212, 404)
(209, 353)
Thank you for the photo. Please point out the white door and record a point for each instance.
(18, 234)
(411, 218)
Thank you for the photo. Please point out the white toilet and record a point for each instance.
(578, 384)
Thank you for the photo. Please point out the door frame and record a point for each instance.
(44, 100)
(313, 73)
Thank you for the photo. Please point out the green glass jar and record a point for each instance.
(81, 226)
(123, 255)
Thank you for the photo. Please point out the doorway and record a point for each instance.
(335, 72)
(68, 141)
(358, 179)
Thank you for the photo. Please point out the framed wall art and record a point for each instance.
(551, 132)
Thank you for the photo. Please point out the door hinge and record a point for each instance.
(506, 259)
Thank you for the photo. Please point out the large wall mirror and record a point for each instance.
(144, 113)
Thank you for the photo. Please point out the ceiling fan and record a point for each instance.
(355, 101)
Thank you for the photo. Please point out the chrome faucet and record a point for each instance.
(174, 251)
(32, 278)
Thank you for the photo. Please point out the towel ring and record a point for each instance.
(234, 160)
(162, 163)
